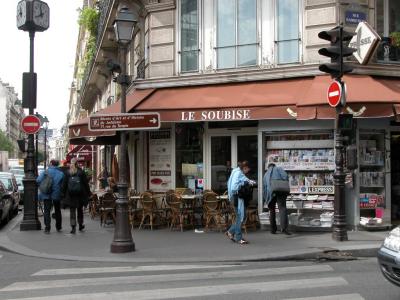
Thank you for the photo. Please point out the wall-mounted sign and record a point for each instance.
(160, 160)
(365, 41)
(216, 115)
(136, 121)
(355, 17)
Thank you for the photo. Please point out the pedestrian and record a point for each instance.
(102, 178)
(76, 194)
(276, 190)
(50, 183)
(112, 185)
(236, 182)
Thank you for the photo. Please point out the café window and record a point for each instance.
(237, 44)
(288, 37)
(189, 155)
(388, 27)
(189, 15)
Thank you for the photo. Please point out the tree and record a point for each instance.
(5, 143)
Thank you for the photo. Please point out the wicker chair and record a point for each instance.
(183, 191)
(212, 211)
(150, 211)
(94, 206)
(107, 208)
(182, 214)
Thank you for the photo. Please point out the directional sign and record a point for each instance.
(365, 41)
(30, 124)
(136, 121)
(334, 93)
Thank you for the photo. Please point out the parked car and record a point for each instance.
(17, 171)
(389, 257)
(20, 184)
(6, 204)
(10, 183)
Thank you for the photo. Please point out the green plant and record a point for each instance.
(89, 19)
(5, 143)
(395, 37)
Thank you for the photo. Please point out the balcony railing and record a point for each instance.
(387, 52)
(140, 71)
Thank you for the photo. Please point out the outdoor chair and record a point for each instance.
(183, 191)
(150, 210)
(107, 208)
(251, 219)
(181, 212)
(94, 206)
(212, 211)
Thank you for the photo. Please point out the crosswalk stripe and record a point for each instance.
(333, 297)
(243, 273)
(74, 271)
(199, 291)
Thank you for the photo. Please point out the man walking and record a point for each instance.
(272, 198)
(50, 182)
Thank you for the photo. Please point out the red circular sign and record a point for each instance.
(30, 124)
(334, 93)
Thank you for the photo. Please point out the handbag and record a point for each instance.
(278, 185)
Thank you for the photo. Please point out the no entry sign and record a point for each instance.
(334, 93)
(30, 124)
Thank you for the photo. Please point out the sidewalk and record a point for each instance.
(162, 245)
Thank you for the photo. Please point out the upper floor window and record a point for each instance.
(189, 35)
(388, 27)
(236, 33)
(287, 24)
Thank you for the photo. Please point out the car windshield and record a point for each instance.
(7, 183)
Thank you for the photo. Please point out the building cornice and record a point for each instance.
(153, 6)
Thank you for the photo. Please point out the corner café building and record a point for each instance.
(207, 129)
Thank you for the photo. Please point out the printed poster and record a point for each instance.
(160, 160)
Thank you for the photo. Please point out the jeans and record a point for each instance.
(72, 211)
(48, 204)
(279, 199)
(236, 228)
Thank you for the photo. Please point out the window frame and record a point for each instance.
(236, 45)
(199, 38)
(299, 39)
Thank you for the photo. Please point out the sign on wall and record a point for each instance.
(365, 41)
(160, 160)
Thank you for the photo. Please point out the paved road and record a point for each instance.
(31, 278)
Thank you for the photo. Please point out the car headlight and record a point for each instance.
(392, 242)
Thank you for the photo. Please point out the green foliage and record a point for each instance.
(89, 19)
(395, 37)
(5, 143)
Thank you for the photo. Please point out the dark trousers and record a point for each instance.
(48, 204)
(279, 199)
(73, 211)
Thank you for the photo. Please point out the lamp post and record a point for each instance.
(32, 16)
(45, 127)
(123, 242)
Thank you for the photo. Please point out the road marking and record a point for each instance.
(73, 271)
(48, 284)
(333, 297)
(199, 291)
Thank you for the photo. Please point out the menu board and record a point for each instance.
(160, 160)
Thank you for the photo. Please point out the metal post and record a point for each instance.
(339, 231)
(122, 241)
(30, 220)
(36, 153)
(45, 149)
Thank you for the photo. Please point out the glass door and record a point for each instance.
(221, 162)
(247, 150)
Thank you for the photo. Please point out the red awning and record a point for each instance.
(81, 152)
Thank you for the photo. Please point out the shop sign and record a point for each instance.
(355, 17)
(160, 160)
(365, 41)
(315, 189)
(216, 115)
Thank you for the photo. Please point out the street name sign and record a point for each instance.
(135, 121)
(30, 124)
(365, 41)
(334, 93)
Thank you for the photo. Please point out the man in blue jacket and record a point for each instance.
(53, 197)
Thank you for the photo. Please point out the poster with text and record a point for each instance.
(160, 159)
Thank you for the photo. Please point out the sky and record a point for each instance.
(54, 56)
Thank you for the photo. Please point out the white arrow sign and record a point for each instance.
(365, 41)
(154, 121)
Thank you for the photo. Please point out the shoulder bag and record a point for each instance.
(278, 185)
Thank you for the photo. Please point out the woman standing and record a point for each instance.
(76, 190)
(236, 181)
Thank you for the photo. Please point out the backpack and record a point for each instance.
(74, 185)
(46, 184)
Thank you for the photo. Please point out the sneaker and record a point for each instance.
(73, 230)
(286, 232)
(243, 242)
(230, 236)
(81, 227)
(47, 231)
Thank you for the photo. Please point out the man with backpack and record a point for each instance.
(50, 182)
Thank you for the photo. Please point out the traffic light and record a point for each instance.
(336, 51)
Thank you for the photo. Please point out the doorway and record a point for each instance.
(395, 177)
(225, 151)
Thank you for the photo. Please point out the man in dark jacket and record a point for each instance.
(53, 196)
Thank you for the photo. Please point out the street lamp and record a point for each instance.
(32, 16)
(124, 25)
